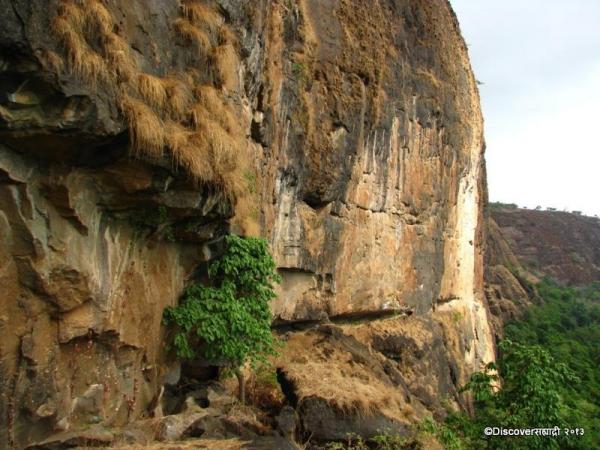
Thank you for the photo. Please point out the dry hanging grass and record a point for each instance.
(75, 15)
(179, 97)
(177, 137)
(202, 15)
(226, 36)
(212, 149)
(145, 128)
(81, 58)
(51, 61)
(226, 61)
(91, 66)
(223, 147)
(191, 33)
(99, 19)
(195, 157)
(210, 104)
(152, 90)
(117, 53)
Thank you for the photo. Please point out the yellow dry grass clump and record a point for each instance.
(193, 34)
(179, 98)
(226, 61)
(51, 60)
(201, 15)
(327, 370)
(117, 53)
(211, 104)
(81, 59)
(99, 19)
(188, 444)
(153, 90)
(186, 116)
(145, 128)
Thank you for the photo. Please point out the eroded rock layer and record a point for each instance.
(127, 130)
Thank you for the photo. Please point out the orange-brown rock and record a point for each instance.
(359, 129)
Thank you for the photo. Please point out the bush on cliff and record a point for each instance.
(228, 322)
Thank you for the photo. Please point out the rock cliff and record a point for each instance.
(136, 134)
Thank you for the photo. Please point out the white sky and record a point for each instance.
(539, 61)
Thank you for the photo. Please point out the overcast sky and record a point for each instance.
(539, 61)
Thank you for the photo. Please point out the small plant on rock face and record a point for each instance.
(229, 321)
(154, 219)
(389, 442)
(301, 73)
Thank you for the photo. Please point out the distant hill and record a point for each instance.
(524, 245)
(561, 245)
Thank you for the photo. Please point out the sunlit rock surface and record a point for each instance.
(363, 125)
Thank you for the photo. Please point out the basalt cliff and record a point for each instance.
(135, 135)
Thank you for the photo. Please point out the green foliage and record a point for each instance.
(529, 397)
(379, 442)
(456, 317)
(549, 375)
(442, 432)
(567, 325)
(353, 442)
(389, 442)
(229, 321)
(301, 72)
(500, 205)
(153, 219)
(250, 178)
(266, 375)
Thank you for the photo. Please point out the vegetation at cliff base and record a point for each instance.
(567, 325)
(228, 320)
(547, 375)
(549, 367)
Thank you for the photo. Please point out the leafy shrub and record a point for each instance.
(549, 372)
(529, 397)
(229, 321)
(442, 432)
(566, 323)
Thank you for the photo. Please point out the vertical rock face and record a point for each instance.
(373, 137)
(362, 124)
(509, 286)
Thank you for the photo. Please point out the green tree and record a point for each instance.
(529, 397)
(566, 322)
(228, 321)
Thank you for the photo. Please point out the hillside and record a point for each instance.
(556, 244)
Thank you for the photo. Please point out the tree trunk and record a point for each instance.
(242, 385)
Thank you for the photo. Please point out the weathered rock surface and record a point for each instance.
(509, 286)
(365, 130)
(556, 244)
